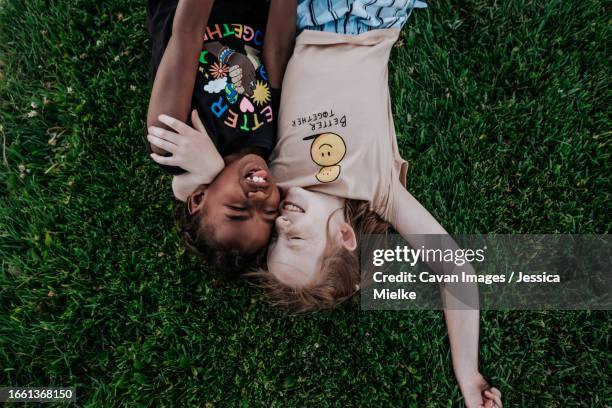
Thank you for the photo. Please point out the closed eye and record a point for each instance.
(298, 238)
(236, 207)
(238, 217)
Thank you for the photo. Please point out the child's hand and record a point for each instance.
(477, 393)
(242, 73)
(192, 149)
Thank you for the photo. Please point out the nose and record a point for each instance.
(257, 198)
(282, 223)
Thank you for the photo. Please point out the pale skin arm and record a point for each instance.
(413, 220)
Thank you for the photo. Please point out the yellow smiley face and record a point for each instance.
(328, 149)
(328, 174)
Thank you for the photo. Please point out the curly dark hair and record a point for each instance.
(198, 239)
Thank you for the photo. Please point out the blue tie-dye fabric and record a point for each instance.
(354, 16)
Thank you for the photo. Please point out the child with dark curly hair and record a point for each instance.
(224, 61)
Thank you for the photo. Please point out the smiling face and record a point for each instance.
(328, 149)
(239, 206)
(307, 221)
(328, 174)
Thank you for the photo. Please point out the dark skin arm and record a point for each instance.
(280, 38)
(278, 45)
(176, 75)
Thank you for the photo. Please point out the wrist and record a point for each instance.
(225, 54)
(184, 185)
(467, 378)
(210, 171)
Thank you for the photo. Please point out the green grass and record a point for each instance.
(502, 109)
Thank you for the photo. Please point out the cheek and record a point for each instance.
(309, 226)
(275, 198)
(215, 193)
(264, 234)
(225, 183)
(273, 251)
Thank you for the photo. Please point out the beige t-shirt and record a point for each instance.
(335, 127)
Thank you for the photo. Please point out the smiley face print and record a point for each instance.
(327, 150)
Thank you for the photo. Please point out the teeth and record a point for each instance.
(256, 179)
(293, 208)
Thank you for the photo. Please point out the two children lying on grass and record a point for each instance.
(336, 160)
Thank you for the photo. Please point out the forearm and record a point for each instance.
(421, 229)
(175, 79)
(463, 329)
(215, 48)
(279, 40)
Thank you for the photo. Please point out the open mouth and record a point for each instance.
(289, 206)
(257, 177)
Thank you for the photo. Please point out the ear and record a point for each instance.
(347, 236)
(195, 202)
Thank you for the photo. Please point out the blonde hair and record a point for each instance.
(340, 267)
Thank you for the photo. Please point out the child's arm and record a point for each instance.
(175, 78)
(412, 222)
(279, 41)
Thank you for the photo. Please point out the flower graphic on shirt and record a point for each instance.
(261, 94)
(219, 70)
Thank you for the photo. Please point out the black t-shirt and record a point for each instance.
(237, 115)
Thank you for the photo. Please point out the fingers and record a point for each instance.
(237, 78)
(497, 398)
(495, 395)
(197, 122)
(235, 71)
(167, 160)
(254, 60)
(161, 143)
(164, 134)
(250, 85)
(175, 124)
(238, 85)
(235, 74)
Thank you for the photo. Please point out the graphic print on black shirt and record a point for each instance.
(232, 92)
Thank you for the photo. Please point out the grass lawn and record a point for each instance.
(502, 109)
